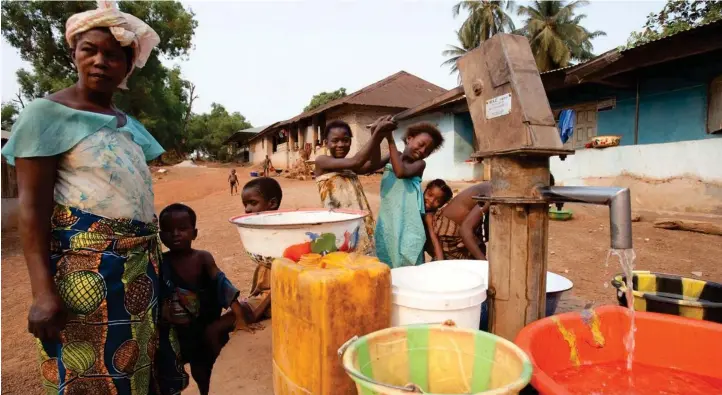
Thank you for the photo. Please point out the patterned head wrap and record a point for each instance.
(127, 29)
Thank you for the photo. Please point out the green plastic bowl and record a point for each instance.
(557, 215)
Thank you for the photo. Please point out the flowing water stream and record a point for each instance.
(626, 260)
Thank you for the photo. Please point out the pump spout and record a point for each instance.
(619, 202)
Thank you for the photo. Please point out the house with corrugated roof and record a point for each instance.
(238, 143)
(663, 99)
(283, 141)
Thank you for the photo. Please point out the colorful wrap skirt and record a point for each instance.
(106, 272)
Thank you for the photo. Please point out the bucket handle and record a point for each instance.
(346, 345)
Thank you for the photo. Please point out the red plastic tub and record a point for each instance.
(572, 354)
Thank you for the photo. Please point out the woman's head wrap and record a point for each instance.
(127, 29)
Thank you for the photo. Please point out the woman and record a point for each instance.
(87, 216)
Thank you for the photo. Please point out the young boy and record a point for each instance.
(233, 180)
(267, 166)
(260, 194)
(400, 234)
(336, 175)
(195, 291)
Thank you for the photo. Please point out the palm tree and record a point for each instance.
(555, 34)
(469, 38)
(486, 18)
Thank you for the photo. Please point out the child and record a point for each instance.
(233, 180)
(460, 225)
(336, 175)
(267, 166)
(400, 235)
(436, 195)
(261, 194)
(194, 293)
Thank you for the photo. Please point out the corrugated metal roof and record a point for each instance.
(255, 130)
(248, 134)
(622, 51)
(401, 90)
(673, 35)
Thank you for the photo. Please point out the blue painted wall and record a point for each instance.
(464, 137)
(672, 102)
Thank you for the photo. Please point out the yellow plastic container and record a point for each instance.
(318, 304)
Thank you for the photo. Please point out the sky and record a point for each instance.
(266, 59)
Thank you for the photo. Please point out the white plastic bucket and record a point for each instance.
(434, 294)
(555, 282)
(555, 287)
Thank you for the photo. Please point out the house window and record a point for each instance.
(714, 107)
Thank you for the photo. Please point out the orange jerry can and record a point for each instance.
(318, 304)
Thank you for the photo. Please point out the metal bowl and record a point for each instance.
(292, 233)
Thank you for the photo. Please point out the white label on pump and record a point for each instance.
(498, 106)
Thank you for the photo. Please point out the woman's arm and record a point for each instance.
(438, 254)
(466, 232)
(401, 168)
(36, 186)
(354, 163)
(371, 152)
(373, 165)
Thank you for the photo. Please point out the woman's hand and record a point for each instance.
(47, 316)
(384, 126)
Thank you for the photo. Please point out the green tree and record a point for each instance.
(555, 33)
(485, 18)
(157, 95)
(207, 132)
(676, 16)
(488, 17)
(9, 112)
(469, 39)
(324, 97)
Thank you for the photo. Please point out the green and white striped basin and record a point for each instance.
(435, 359)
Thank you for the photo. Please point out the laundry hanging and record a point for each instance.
(566, 124)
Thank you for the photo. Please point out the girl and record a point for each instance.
(436, 195)
(400, 235)
(336, 175)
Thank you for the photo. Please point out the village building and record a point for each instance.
(283, 141)
(663, 98)
(239, 149)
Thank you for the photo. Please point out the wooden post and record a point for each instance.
(515, 134)
(518, 245)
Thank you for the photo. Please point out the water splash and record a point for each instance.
(626, 260)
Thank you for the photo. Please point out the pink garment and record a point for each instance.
(127, 29)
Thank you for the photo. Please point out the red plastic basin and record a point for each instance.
(672, 343)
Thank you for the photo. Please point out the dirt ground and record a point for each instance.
(577, 249)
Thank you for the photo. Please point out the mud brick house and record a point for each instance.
(282, 141)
